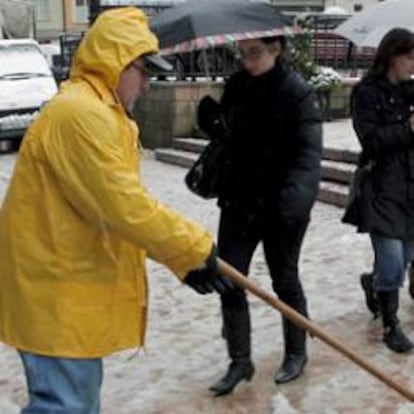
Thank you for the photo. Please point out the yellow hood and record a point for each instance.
(118, 37)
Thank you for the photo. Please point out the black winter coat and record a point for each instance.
(380, 112)
(273, 152)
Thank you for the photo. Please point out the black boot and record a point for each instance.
(239, 369)
(393, 337)
(237, 333)
(295, 357)
(411, 281)
(371, 297)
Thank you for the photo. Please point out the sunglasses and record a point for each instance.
(145, 71)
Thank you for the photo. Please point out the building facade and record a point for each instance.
(57, 16)
(77, 14)
(300, 5)
(54, 17)
(351, 6)
(50, 18)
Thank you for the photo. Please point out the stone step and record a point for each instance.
(338, 172)
(176, 157)
(330, 154)
(332, 193)
(333, 154)
(341, 172)
(196, 145)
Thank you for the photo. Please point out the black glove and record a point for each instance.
(210, 119)
(206, 279)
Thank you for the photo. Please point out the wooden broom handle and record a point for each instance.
(313, 329)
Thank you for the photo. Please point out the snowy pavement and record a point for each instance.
(184, 352)
(340, 135)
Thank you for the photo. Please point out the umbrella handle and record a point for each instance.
(313, 329)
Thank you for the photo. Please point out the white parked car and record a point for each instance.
(26, 83)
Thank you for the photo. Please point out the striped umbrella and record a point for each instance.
(200, 24)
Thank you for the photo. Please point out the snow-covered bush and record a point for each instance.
(325, 78)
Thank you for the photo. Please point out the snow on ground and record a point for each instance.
(281, 405)
(8, 407)
(184, 352)
(340, 135)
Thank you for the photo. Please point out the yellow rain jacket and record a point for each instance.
(76, 223)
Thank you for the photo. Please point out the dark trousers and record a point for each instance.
(282, 241)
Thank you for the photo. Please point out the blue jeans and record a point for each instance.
(62, 385)
(391, 259)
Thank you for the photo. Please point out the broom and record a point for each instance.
(313, 329)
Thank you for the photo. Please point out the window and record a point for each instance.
(81, 11)
(42, 10)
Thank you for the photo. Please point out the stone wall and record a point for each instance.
(340, 98)
(169, 110)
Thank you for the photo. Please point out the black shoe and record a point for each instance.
(292, 368)
(238, 371)
(396, 340)
(371, 297)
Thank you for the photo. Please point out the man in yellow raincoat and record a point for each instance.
(76, 225)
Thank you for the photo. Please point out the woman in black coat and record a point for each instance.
(382, 112)
(268, 185)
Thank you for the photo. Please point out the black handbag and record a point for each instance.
(360, 196)
(203, 177)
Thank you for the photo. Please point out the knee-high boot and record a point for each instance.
(411, 280)
(371, 297)
(295, 357)
(394, 336)
(236, 330)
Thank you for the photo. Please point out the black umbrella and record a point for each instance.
(200, 24)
